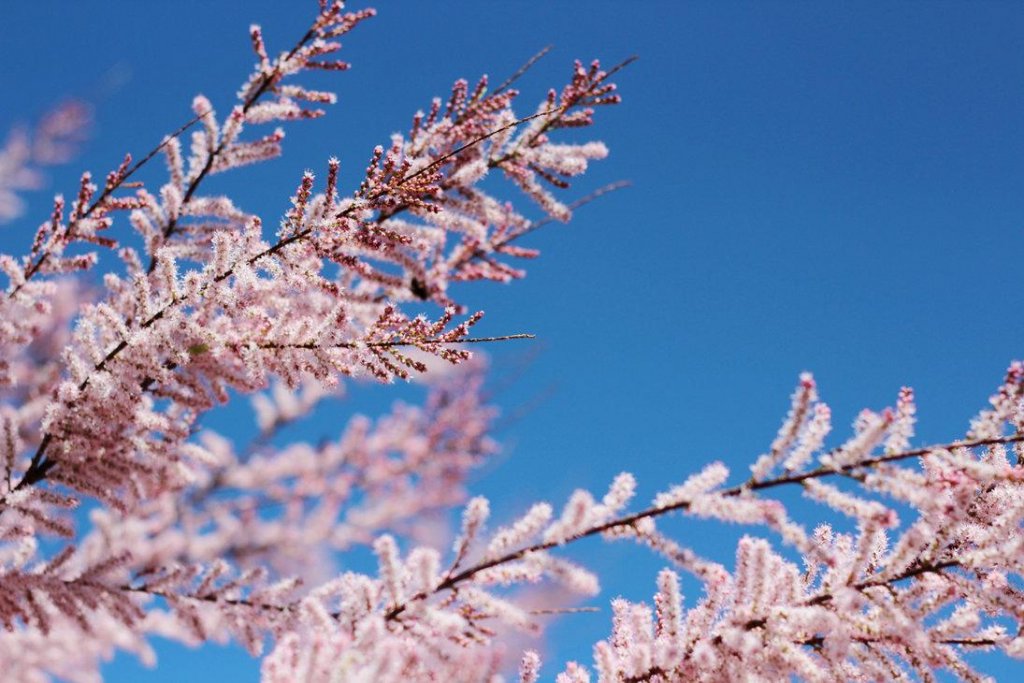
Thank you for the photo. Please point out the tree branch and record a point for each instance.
(632, 519)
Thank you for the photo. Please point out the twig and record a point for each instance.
(536, 225)
(459, 150)
(523, 69)
(565, 610)
(632, 519)
(395, 343)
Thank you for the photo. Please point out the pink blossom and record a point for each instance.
(105, 381)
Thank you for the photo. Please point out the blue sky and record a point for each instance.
(832, 187)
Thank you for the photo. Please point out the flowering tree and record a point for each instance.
(105, 382)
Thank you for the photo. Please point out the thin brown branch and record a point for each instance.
(562, 110)
(536, 225)
(621, 65)
(523, 69)
(212, 598)
(564, 610)
(156, 150)
(395, 342)
(657, 511)
(472, 143)
(871, 462)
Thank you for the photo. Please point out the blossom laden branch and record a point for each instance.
(633, 519)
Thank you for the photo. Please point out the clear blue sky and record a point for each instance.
(834, 187)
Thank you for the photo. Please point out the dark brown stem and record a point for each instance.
(632, 519)
(563, 109)
(522, 70)
(440, 161)
(213, 598)
(536, 225)
(395, 343)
